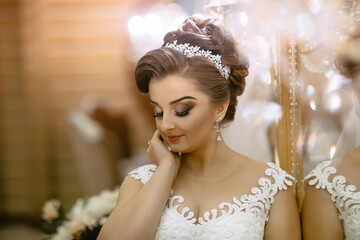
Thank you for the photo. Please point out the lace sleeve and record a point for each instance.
(143, 173)
(282, 180)
(345, 196)
(342, 194)
(319, 176)
(262, 197)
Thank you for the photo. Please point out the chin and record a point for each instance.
(184, 150)
(178, 149)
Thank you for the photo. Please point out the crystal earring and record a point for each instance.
(217, 126)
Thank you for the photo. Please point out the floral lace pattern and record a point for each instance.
(345, 197)
(143, 173)
(243, 218)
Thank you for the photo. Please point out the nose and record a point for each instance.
(167, 123)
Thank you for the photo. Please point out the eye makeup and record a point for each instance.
(182, 109)
(158, 111)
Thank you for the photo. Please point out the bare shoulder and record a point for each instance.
(128, 189)
(349, 167)
(316, 207)
(251, 169)
(250, 164)
(257, 165)
(351, 159)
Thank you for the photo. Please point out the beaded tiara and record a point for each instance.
(192, 51)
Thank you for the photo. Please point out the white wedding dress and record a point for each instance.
(243, 218)
(344, 196)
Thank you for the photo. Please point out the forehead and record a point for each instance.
(174, 87)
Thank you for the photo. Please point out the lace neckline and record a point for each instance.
(266, 189)
(258, 202)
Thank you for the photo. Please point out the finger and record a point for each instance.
(154, 136)
(157, 136)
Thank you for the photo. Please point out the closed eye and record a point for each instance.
(181, 114)
(159, 114)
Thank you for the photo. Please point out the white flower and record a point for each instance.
(79, 214)
(78, 210)
(62, 234)
(101, 205)
(51, 210)
(89, 213)
(75, 226)
(103, 220)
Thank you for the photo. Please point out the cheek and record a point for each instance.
(157, 123)
(199, 124)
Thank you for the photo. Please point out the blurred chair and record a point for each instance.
(102, 147)
(94, 148)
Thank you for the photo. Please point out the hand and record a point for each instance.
(160, 154)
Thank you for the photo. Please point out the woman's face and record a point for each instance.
(183, 114)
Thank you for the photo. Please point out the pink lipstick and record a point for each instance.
(174, 138)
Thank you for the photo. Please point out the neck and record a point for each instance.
(205, 160)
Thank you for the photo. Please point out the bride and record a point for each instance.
(331, 208)
(198, 188)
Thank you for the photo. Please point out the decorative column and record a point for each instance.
(287, 87)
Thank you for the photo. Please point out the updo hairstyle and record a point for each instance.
(347, 65)
(206, 34)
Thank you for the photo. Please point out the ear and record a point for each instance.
(222, 108)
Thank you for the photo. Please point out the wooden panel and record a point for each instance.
(8, 32)
(15, 177)
(9, 84)
(10, 67)
(53, 53)
(7, 15)
(85, 2)
(12, 154)
(94, 48)
(12, 118)
(7, 4)
(84, 54)
(84, 82)
(9, 50)
(14, 135)
(84, 30)
(88, 12)
(76, 66)
(14, 101)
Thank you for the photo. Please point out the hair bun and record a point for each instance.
(207, 34)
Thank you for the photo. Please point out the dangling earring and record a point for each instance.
(217, 126)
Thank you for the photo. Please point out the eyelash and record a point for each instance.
(180, 114)
(158, 115)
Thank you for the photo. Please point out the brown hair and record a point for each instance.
(347, 65)
(207, 35)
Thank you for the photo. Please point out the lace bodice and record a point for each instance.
(345, 197)
(243, 218)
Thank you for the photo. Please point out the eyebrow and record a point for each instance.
(175, 101)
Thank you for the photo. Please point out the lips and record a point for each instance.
(174, 138)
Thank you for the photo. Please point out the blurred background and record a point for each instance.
(72, 122)
(68, 103)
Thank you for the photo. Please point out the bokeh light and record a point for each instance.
(146, 31)
(136, 25)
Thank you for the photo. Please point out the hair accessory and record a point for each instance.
(192, 51)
